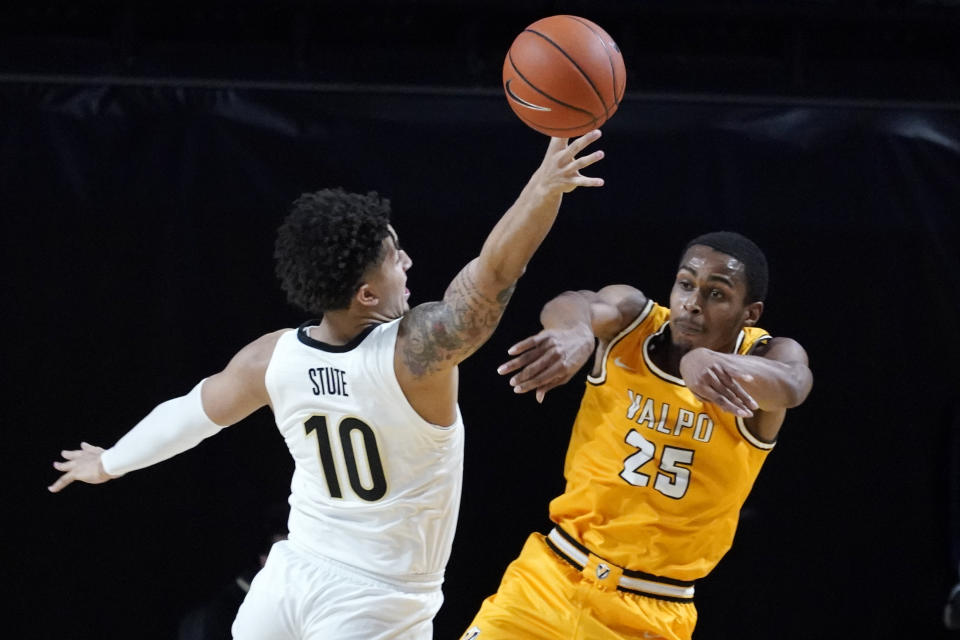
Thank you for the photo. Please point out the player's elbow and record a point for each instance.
(798, 385)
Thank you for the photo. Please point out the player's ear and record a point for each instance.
(752, 313)
(366, 296)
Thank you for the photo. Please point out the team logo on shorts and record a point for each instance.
(471, 634)
(602, 571)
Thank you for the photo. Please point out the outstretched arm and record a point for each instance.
(178, 424)
(571, 322)
(759, 388)
(435, 337)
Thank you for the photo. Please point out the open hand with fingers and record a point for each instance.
(560, 170)
(81, 464)
(723, 379)
(548, 359)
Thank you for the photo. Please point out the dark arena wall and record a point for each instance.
(139, 211)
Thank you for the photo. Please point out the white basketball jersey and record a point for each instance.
(375, 486)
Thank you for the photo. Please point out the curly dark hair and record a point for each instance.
(326, 243)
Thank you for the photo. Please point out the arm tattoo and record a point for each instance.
(438, 335)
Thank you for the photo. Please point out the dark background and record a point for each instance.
(148, 151)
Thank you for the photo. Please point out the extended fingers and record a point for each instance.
(60, 482)
(578, 180)
(526, 352)
(525, 380)
(542, 383)
(541, 363)
(724, 391)
(578, 163)
(546, 371)
(557, 144)
(736, 409)
(525, 344)
(517, 363)
(724, 402)
(542, 390)
(587, 160)
(731, 384)
(581, 143)
(584, 181)
(73, 463)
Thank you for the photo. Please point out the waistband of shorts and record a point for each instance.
(638, 582)
(410, 583)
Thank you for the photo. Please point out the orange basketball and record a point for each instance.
(564, 76)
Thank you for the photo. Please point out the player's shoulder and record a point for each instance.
(269, 340)
(624, 296)
(257, 354)
(780, 348)
(422, 326)
(615, 307)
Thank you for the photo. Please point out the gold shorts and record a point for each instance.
(543, 596)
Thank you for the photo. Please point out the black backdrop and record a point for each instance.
(138, 224)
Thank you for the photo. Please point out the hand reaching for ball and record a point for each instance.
(560, 170)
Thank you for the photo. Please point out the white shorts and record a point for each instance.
(298, 596)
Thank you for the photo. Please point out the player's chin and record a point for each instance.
(687, 342)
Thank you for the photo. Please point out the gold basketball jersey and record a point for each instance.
(655, 477)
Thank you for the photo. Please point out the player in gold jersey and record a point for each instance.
(681, 408)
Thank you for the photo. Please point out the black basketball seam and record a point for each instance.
(593, 118)
(613, 67)
(579, 68)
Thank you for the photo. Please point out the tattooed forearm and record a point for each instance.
(439, 334)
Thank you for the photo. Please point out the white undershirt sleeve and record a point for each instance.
(171, 428)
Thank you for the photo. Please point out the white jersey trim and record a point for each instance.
(620, 336)
(752, 439)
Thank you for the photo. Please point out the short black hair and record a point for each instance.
(746, 251)
(325, 245)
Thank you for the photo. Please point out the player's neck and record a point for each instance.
(667, 355)
(340, 327)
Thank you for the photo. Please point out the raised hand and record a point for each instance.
(560, 169)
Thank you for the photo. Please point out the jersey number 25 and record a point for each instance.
(672, 479)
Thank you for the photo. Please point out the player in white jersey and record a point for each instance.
(366, 400)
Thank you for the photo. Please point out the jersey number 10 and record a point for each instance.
(371, 453)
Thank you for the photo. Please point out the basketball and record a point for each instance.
(564, 76)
